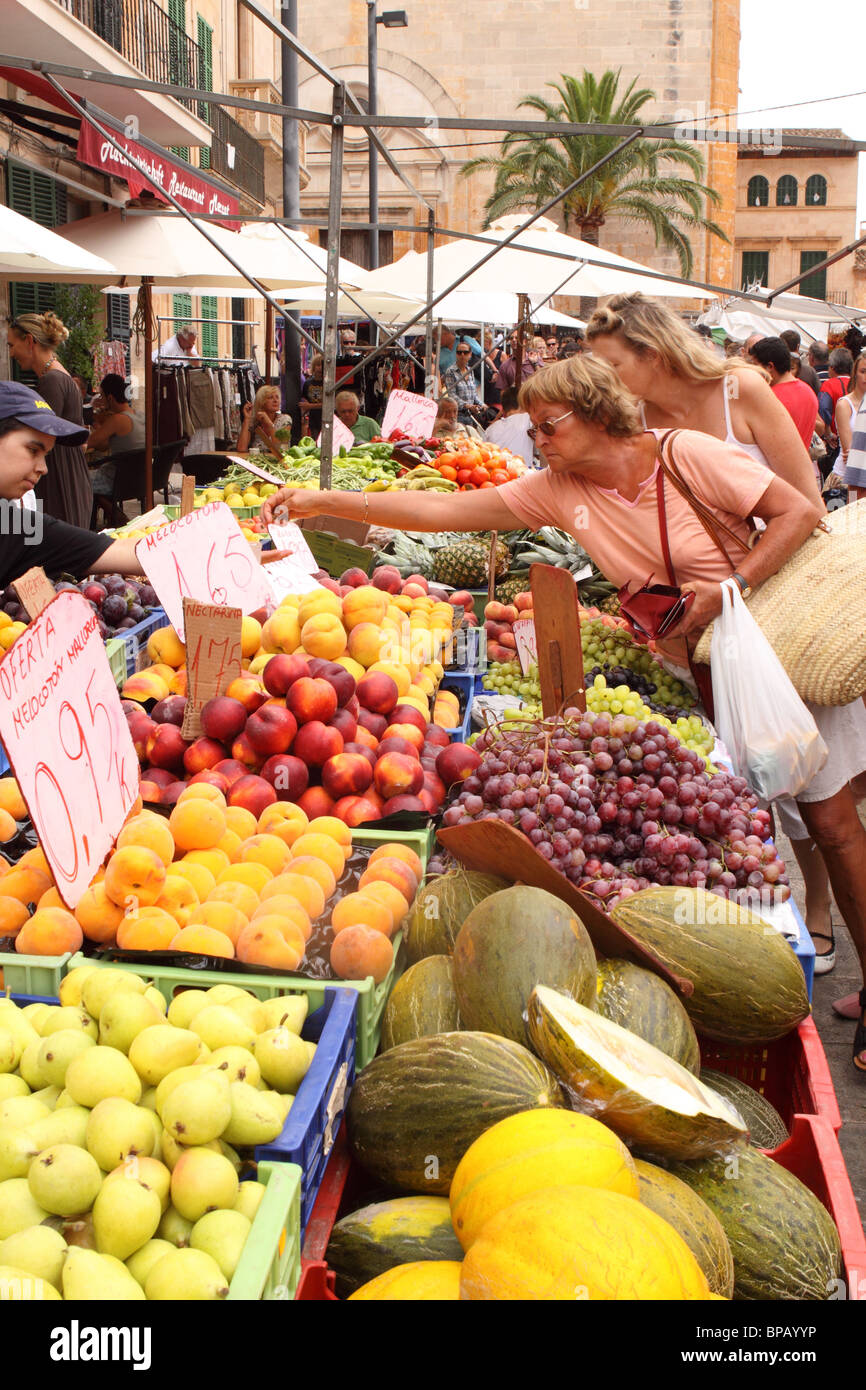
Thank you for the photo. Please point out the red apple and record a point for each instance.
(364, 751)
(223, 718)
(408, 714)
(312, 699)
(170, 710)
(393, 744)
(316, 802)
(376, 724)
(397, 774)
(346, 723)
(253, 793)
(356, 810)
(347, 774)
(231, 769)
(287, 775)
(166, 747)
(378, 692)
(282, 671)
(271, 729)
(386, 577)
(457, 762)
(316, 742)
(244, 753)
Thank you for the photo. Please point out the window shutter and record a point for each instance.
(209, 331)
(204, 35)
(181, 307)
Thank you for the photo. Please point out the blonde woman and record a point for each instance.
(64, 491)
(261, 420)
(853, 477)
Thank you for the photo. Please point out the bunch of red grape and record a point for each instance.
(618, 804)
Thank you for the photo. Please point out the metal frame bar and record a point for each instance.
(822, 265)
(332, 287)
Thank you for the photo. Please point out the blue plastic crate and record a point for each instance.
(463, 685)
(4, 761)
(804, 949)
(314, 1119)
(470, 651)
(135, 638)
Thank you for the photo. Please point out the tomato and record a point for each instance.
(478, 476)
(498, 477)
(487, 484)
(463, 475)
(448, 472)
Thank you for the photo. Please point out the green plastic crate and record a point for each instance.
(242, 513)
(270, 1265)
(420, 841)
(115, 650)
(40, 975)
(168, 979)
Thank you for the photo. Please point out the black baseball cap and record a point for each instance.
(21, 403)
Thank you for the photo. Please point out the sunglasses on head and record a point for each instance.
(547, 427)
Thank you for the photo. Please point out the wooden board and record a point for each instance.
(557, 632)
(488, 846)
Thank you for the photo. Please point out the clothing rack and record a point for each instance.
(234, 381)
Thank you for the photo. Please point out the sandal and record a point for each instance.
(859, 1054)
(825, 962)
(848, 1006)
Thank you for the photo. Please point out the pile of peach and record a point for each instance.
(213, 880)
(499, 620)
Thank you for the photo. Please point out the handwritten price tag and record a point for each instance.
(288, 577)
(213, 657)
(291, 538)
(527, 645)
(35, 591)
(412, 415)
(64, 730)
(205, 557)
(343, 436)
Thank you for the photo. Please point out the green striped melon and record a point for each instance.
(690, 1216)
(767, 1129)
(748, 984)
(403, 1231)
(784, 1242)
(440, 909)
(645, 1004)
(414, 1111)
(647, 1098)
(421, 1003)
(511, 942)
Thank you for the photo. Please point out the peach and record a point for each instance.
(311, 698)
(203, 941)
(347, 774)
(244, 753)
(151, 832)
(223, 718)
(165, 647)
(247, 691)
(145, 686)
(337, 676)
(206, 786)
(319, 601)
(387, 578)
(301, 888)
(359, 952)
(282, 632)
(50, 898)
(241, 821)
(133, 873)
(285, 819)
(316, 742)
(171, 710)
(166, 746)
(310, 866)
(366, 739)
(179, 682)
(348, 663)
(378, 692)
(362, 749)
(212, 859)
(402, 738)
(11, 799)
(365, 604)
(201, 878)
(394, 871)
(239, 895)
(51, 931)
(171, 794)
(321, 846)
(232, 770)
(282, 672)
(266, 945)
(358, 909)
(26, 885)
(203, 755)
(13, 915)
(253, 793)
(437, 736)
(335, 829)
(151, 929)
(271, 730)
(98, 917)
(398, 774)
(268, 850)
(347, 724)
(365, 643)
(289, 918)
(230, 844)
(323, 635)
(315, 802)
(222, 917)
(357, 810)
(197, 824)
(409, 714)
(251, 635)
(456, 762)
(395, 849)
(253, 876)
(151, 792)
(141, 726)
(353, 577)
(160, 775)
(398, 673)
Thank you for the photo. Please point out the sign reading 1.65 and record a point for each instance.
(65, 733)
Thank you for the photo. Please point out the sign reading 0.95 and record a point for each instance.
(64, 731)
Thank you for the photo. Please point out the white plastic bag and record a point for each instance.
(771, 736)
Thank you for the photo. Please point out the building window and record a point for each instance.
(239, 332)
(43, 200)
(758, 193)
(209, 331)
(786, 191)
(814, 285)
(816, 190)
(204, 35)
(756, 269)
(181, 308)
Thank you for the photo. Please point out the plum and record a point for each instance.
(125, 624)
(114, 609)
(147, 596)
(95, 593)
(137, 613)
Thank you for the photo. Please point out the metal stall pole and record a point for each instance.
(430, 375)
(291, 208)
(332, 289)
(147, 287)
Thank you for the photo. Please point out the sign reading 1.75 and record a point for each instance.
(65, 733)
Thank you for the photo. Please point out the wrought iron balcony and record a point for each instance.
(235, 153)
(145, 35)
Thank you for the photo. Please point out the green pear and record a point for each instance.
(99, 1073)
(39, 1250)
(13, 1018)
(237, 1064)
(125, 1016)
(222, 1235)
(103, 985)
(249, 1198)
(20, 1286)
(126, 1214)
(29, 1066)
(148, 1170)
(156, 1126)
(257, 1118)
(219, 1026)
(18, 1207)
(10, 1050)
(202, 1181)
(161, 1048)
(17, 1151)
(59, 1020)
(22, 1111)
(174, 1228)
(72, 984)
(57, 1051)
(157, 999)
(65, 1099)
(172, 1081)
(187, 1275)
(65, 1126)
(246, 1005)
(287, 1011)
(89, 1276)
(12, 1086)
(36, 1014)
(141, 1263)
(231, 1154)
(116, 1130)
(148, 1098)
(48, 1095)
(224, 994)
(184, 1006)
(198, 1111)
(64, 1179)
(283, 1058)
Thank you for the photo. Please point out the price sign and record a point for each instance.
(253, 468)
(288, 577)
(64, 730)
(343, 436)
(413, 415)
(213, 657)
(527, 645)
(290, 537)
(35, 591)
(205, 557)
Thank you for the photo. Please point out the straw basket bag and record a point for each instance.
(813, 610)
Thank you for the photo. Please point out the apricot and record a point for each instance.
(165, 647)
(358, 952)
(294, 924)
(287, 907)
(255, 876)
(285, 820)
(11, 799)
(222, 917)
(300, 887)
(134, 872)
(393, 871)
(178, 898)
(395, 850)
(202, 880)
(13, 915)
(269, 850)
(323, 635)
(321, 847)
(214, 860)
(390, 898)
(310, 867)
(203, 941)
(239, 895)
(231, 844)
(335, 829)
(51, 898)
(51, 931)
(149, 831)
(8, 827)
(27, 885)
(97, 915)
(151, 929)
(204, 791)
(241, 821)
(357, 910)
(266, 945)
(197, 824)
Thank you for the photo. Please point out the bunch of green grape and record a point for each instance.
(602, 698)
(609, 646)
(506, 678)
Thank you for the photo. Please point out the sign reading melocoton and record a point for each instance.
(191, 192)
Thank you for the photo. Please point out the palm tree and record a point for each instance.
(531, 169)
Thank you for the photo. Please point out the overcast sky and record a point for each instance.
(803, 50)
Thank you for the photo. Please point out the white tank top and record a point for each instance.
(753, 450)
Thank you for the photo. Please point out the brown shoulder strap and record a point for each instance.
(712, 524)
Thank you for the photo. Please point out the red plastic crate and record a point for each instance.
(317, 1281)
(792, 1072)
(813, 1155)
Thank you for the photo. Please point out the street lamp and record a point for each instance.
(391, 19)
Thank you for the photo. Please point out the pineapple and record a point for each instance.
(464, 565)
(514, 585)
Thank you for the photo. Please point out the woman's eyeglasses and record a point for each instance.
(547, 427)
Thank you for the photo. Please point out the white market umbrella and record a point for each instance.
(32, 252)
(786, 309)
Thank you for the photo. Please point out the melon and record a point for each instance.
(767, 1129)
(570, 1244)
(645, 1004)
(426, 1281)
(414, 1111)
(421, 1003)
(647, 1098)
(783, 1241)
(748, 984)
(538, 1149)
(511, 942)
(403, 1231)
(700, 1228)
(440, 909)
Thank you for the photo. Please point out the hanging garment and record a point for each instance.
(201, 399)
(109, 357)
